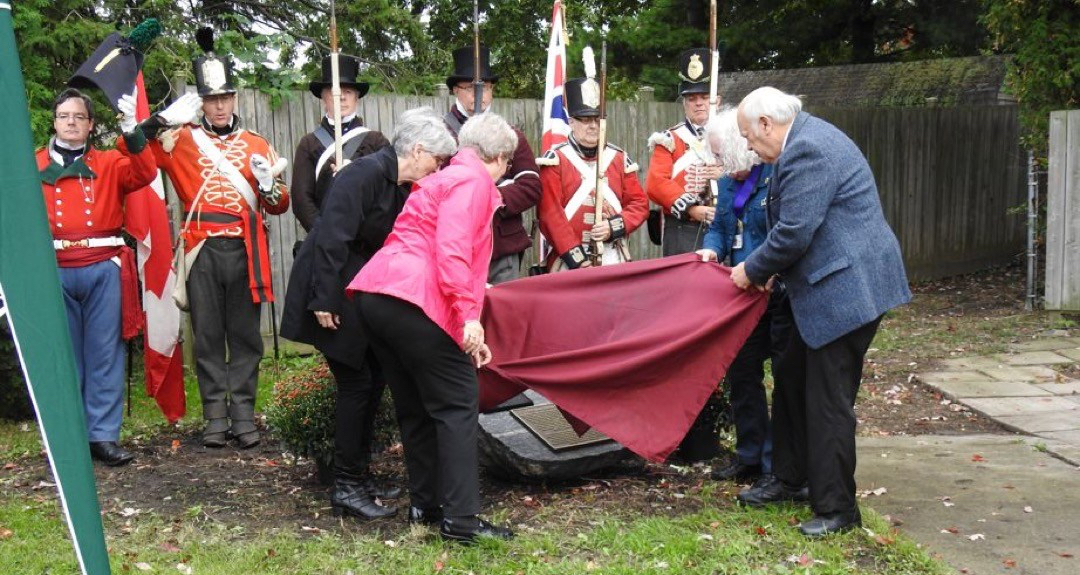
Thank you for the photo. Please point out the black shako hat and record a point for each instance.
(582, 97)
(463, 67)
(694, 71)
(115, 64)
(348, 70)
(213, 74)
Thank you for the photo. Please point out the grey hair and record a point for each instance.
(728, 144)
(771, 103)
(490, 135)
(424, 127)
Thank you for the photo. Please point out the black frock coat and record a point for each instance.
(357, 214)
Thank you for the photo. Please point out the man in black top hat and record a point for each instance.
(682, 171)
(313, 168)
(520, 187)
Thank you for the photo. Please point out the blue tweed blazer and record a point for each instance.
(828, 238)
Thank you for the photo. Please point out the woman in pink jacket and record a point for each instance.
(420, 302)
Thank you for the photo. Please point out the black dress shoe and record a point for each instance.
(738, 471)
(110, 453)
(421, 516)
(822, 525)
(351, 497)
(215, 432)
(382, 490)
(468, 529)
(770, 489)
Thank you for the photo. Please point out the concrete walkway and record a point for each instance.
(991, 503)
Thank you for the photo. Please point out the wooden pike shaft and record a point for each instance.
(597, 255)
(714, 62)
(335, 87)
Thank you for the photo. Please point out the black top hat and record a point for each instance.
(463, 67)
(213, 74)
(582, 97)
(113, 68)
(694, 71)
(348, 70)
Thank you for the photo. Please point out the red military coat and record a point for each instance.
(566, 190)
(85, 200)
(674, 150)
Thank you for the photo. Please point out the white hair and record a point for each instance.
(722, 134)
(424, 127)
(490, 135)
(771, 103)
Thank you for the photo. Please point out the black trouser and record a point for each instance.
(814, 415)
(359, 393)
(745, 378)
(226, 325)
(436, 398)
(682, 236)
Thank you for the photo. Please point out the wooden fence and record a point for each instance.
(948, 177)
(1063, 213)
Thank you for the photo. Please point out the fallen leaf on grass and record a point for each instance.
(439, 566)
(976, 536)
(530, 502)
(175, 445)
(6, 533)
(869, 492)
(170, 547)
(184, 568)
(714, 524)
(143, 566)
(761, 531)
(591, 566)
(978, 458)
(1028, 509)
(390, 543)
(952, 530)
(1009, 563)
(9, 466)
(882, 540)
(1065, 555)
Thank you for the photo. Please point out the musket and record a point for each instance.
(478, 84)
(597, 255)
(335, 87)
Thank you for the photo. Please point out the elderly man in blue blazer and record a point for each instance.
(840, 262)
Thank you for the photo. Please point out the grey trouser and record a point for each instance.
(228, 345)
(681, 237)
(504, 269)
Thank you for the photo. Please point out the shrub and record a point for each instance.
(14, 398)
(301, 414)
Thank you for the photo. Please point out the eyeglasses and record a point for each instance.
(588, 119)
(66, 117)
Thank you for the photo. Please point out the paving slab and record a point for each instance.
(1073, 354)
(1040, 422)
(1031, 373)
(1032, 358)
(1045, 344)
(989, 388)
(1072, 436)
(943, 377)
(1004, 406)
(1067, 387)
(975, 362)
(989, 497)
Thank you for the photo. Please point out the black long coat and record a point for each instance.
(357, 214)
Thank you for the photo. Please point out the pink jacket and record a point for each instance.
(438, 254)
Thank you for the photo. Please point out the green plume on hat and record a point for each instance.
(145, 33)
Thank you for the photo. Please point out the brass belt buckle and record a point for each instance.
(66, 244)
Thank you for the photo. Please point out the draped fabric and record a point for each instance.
(633, 350)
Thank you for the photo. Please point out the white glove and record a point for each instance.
(261, 169)
(184, 110)
(126, 106)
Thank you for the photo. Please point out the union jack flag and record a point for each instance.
(556, 123)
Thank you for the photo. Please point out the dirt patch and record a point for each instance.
(177, 479)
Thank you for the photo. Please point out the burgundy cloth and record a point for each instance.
(633, 350)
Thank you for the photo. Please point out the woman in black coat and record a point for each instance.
(357, 215)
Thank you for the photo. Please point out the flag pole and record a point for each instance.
(478, 83)
(714, 61)
(335, 90)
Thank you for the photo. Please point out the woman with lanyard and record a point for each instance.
(739, 227)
